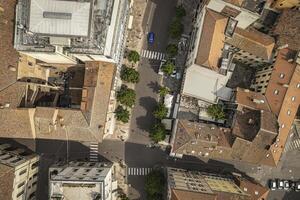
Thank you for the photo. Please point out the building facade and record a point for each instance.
(81, 180)
(186, 184)
(19, 173)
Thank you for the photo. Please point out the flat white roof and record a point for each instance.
(53, 17)
(206, 84)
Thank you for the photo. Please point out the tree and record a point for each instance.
(126, 96)
(129, 74)
(168, 67)
(180, 12)
(216, 112)
(176, 28)
(122, 114)
(161, 111)
(154, 185)
(163, 91)
(172, 50)
(133, 56)
(158, 132)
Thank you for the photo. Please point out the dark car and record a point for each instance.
(151, 37)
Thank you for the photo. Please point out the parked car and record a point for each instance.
(286, 185)
(151, 36)
(297, 186)
(280, 184)
(273, 185)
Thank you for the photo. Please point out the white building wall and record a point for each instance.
(50, 57)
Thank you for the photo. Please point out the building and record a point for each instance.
(251, 47)
(245, 12)
(285, 4)
(287, 29)
(56, 31)
(81, 180)
(185, 184)
(18, 172)
(252, 130)
(63, 102)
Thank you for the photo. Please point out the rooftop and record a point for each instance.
(279, 81)
(79, 25)
(212, 40)
(193, 137)
(251, 5)
(287, 29)
(59, 17)
(252, 41)
(61, 107)
(187, 184)
(205, 84)
(250, 99)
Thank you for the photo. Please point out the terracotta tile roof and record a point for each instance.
(13, 94)
(15, 123)
(257, 191)
(279, 80)
(60, 123)
(287, 29)
(212, 39)
(287, 114)
(7, 176)
(250, 99)
(238, 3)
(252, 41)
(9, 56)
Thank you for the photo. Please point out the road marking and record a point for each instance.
(154, 55)
(133, 171)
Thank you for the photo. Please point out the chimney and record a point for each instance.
(250, 121)
(258, 101)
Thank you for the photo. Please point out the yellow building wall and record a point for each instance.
(282, 4)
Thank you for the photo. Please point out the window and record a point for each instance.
(20, 193)
(23, 172)
(264, 75)
(30, 63)
(34, 183)
(34, 165)
(281, 75)
(276, 92)
(21, 184)
(293, 98)
(35, 175)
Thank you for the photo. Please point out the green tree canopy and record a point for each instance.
(163, 91)
(161, 111)
(176, 28)
(133, 56)
(158, 132)
(168, 67)
(126, 96)
(216, 112)
(180, 12)
(172, 50)
(154, 186)
(129, 74)
(122, 114)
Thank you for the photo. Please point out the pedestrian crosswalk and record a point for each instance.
(295, 144)
(134, 171)
(93, 152)
(154, 55)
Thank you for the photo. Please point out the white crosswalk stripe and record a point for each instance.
(133, 171)
(94, 152)
(154, 55)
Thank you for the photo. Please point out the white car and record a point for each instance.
(280, 184)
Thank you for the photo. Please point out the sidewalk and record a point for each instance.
(134, 41)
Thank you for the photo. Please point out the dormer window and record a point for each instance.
(276, 92)
(281, 75)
